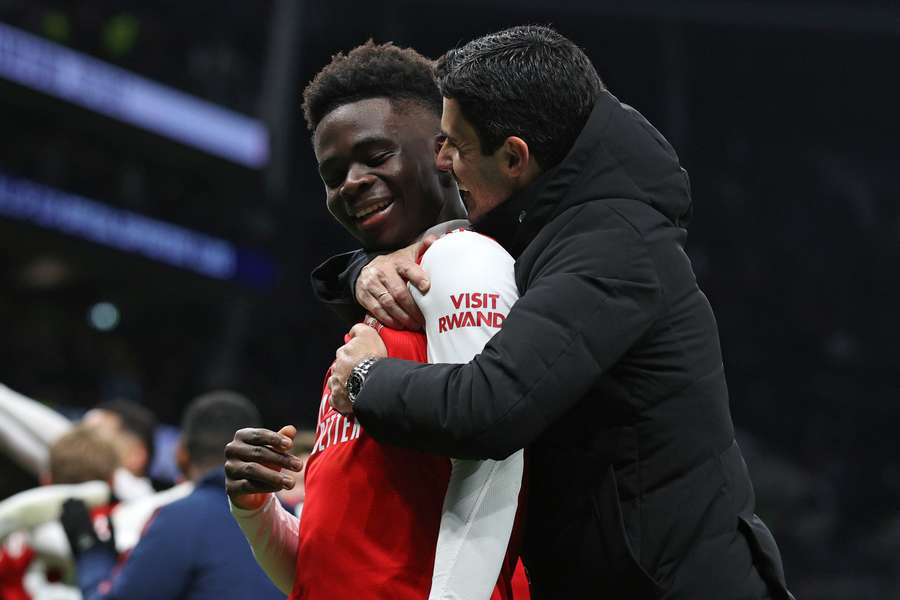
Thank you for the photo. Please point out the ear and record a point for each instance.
(182, 458)
(135, 459)
(517, 157)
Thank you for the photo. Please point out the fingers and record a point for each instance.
(254, 460)
(395, 298)
(398, 296)
(251, 478)
(381, 289)
(238, 451)
(257, 436)
(356, 331)
(338, 398)
(372, 306)
(288, 431)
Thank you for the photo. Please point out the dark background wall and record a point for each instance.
(784, 113)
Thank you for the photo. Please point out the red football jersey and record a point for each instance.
(372, 511)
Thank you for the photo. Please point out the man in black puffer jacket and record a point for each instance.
(608, 369)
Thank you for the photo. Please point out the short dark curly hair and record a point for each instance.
(371, 71)
(528, 81)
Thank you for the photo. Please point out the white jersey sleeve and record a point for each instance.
(472, 289)
(28, 429)
(42, 504)
(273, 535)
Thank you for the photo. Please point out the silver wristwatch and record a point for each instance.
(357, 378)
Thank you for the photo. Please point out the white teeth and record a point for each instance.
(372, 209)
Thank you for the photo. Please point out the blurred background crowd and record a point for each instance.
(160, 212)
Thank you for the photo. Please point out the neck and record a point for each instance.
(531, 173)
(197, 472)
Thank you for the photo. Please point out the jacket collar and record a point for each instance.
(617, 155)
(214, 477)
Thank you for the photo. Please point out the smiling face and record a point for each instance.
(483, 178)
(376, 159)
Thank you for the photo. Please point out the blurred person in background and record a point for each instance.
(131, 426)
(192, 548)
(35, 561)
(419, 524)
(28, 429)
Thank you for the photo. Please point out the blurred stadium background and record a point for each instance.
(160, 212)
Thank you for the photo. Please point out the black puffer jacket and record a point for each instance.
(609, 370)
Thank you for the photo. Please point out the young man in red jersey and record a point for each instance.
(419, 524)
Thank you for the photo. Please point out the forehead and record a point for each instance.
(453, 123)
(373, 117)
(368, 114)
(102, 419)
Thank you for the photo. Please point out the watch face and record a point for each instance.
(354, 383)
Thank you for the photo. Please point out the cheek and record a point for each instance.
(333, 206)
(458, 164)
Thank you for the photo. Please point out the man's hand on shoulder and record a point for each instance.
(364, 342)
(381, 287)
(254, 460)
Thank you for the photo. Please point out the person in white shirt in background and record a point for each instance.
(28, 429)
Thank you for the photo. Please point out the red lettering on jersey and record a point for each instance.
(334, 427)
(474, 300)
(470, 319)
(344, 429)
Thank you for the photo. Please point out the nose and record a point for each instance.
(442, 157)
(356, 182)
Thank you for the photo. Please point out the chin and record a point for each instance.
(388, 241)
(474, 215)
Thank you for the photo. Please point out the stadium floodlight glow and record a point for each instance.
(124, 230)
(47, 67)
(103, 316)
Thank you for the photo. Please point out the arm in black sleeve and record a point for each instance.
(591, 296)
(334, 283)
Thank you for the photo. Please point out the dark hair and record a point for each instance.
(136, 419)
(371, 71)
(210, 421)
(528, 81)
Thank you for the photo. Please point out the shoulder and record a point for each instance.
(466, 237)
(597, 239)
(459, 247)
(200, 504)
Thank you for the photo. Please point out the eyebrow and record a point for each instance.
(358, 145)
